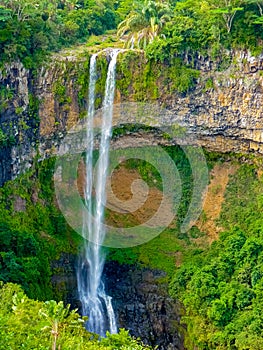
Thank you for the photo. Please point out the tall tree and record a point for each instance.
(228, 10)
(144, 24)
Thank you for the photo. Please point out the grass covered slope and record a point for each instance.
(222, 288)
(219, 276)
(166, 250)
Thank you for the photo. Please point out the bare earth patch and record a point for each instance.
(130, 200)
(131, 203)
(214, 200)
(134, 203)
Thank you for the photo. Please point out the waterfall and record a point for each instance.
(96, 304)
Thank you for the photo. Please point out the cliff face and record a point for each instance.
(18, 131)
(222, 109)
(142, 305)
(227, 117)
(36, 109)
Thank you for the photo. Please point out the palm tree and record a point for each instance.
(58, 318)
(142, 26)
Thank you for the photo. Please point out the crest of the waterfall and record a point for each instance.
(96, 304)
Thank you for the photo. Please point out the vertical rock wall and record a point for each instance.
(223, 110)
(143, 305)
(18, 127)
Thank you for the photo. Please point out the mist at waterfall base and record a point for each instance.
(96, 304)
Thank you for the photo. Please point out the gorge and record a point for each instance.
(222, 116)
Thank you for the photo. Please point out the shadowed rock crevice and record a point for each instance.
(143, 306)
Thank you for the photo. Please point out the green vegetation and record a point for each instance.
(144, 23)
(30, 29)
(30, 324)
(33, 232)
(162, 251)
(6, 139)
(221, 288)
(6, 95)
(169, 28)
(3, 138)
(144, 80)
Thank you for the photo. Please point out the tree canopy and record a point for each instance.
(222, 287)
(30, 324)
(30, 29)
(205, 26)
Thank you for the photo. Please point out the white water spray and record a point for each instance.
(96, 304)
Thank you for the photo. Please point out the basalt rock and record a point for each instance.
(64, 282)
(143, 306)
(222, 112)
(139, 296)
(18, 128)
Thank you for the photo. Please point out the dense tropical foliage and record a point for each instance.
(145, 23)
(31, 324)
(205, 26)
(30, 29)
(221, 287)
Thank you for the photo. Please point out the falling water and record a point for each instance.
(96, 304)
